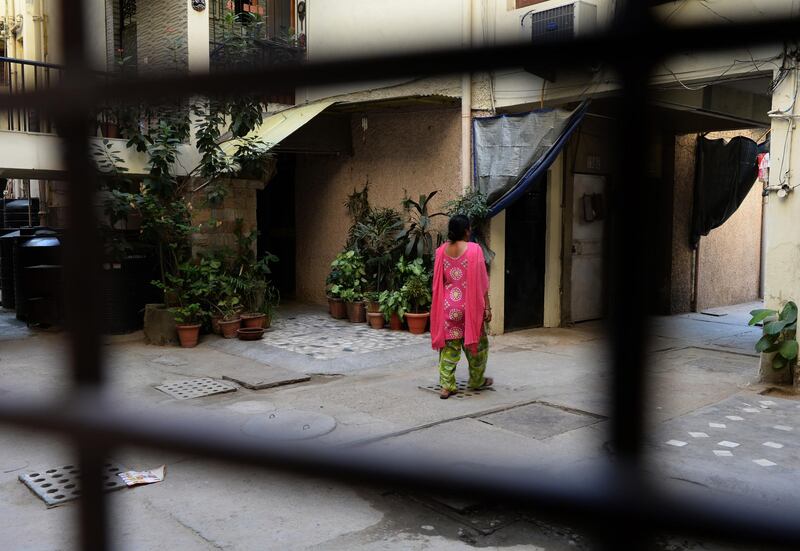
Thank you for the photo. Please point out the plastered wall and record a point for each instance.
(414, 151)
(730, 256)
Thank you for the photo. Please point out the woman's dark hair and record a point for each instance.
(457, 227)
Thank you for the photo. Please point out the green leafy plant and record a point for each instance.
(347, 278)
(188, 315)
(185, 290)
(422, 237)
(393, 302)
(271, 298)
(416, 289)
(474, 206)
(377, 238)
(780, 334)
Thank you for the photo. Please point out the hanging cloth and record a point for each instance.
(724, 174)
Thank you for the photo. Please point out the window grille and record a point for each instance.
(620, 504)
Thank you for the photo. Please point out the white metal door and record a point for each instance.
(588, 214)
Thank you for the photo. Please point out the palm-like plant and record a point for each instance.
(420, 232)
(377, 238)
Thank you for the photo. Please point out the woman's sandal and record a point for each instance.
(445, 394)
(487, 382)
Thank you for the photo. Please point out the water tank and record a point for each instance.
(7, 242)
(16, 215)
(41, 252)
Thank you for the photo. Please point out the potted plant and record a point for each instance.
(229, 308)
(270, 301)
(417, 292)
(348, 277)
(779, 342)
(188, 320)
(374, 315)
(393, 307)
(354, 302)
(253, 297)
(422, 238)
(335, 283)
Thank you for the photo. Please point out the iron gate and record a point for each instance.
(619, 503)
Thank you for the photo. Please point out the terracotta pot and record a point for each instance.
(109, 130)
(373, 306)
(417, 323)
(376, 320)
(338, 308)
(267, 321)
(188, 334)
(229, 327)
(250, 333)
(356, 312)
(395, 323)
(215, 325)
(253, 320)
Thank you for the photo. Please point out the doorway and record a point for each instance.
(526, 228)
(276, 224)
(588, 213)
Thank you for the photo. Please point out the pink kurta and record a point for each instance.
(455, 292)
(447, 287)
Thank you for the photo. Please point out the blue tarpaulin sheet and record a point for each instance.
(511, 152)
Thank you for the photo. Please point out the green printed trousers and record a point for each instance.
(448, 360)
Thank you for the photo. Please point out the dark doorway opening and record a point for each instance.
(526, 227)
(276, 224)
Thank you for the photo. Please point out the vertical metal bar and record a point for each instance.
(23, 122)
(627, 275)
(81, 264)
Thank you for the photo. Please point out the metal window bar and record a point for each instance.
(619, 503)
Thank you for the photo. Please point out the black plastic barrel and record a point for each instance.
(16, 215)
(42, 249)
(7, 243)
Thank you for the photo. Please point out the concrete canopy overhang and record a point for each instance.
(277, 127)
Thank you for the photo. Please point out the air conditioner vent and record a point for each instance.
(554, 24)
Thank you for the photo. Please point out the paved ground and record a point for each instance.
(366, 388)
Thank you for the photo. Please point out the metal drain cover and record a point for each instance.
(195, 388)
(58, 485)
(463, 389)
(289, 424)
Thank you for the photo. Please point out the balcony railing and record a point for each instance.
(19, 77)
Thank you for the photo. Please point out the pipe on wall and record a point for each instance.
(466, 102)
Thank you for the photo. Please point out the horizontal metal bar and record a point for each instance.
(17, 61)
(585, 498)
(646, 44)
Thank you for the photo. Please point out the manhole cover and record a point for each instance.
(195, 388)
(289, 425)
(539, 421)
(463, 389)
(251, 407)
(58, 485)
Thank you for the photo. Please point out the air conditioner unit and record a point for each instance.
(562, 22)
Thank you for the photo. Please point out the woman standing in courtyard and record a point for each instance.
(460, 307)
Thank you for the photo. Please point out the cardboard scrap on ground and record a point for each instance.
(135, 478)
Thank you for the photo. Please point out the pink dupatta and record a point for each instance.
(477, 285)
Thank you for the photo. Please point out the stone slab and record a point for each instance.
(539, 421)
(266, 376)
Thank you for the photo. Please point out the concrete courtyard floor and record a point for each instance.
(711, 427)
